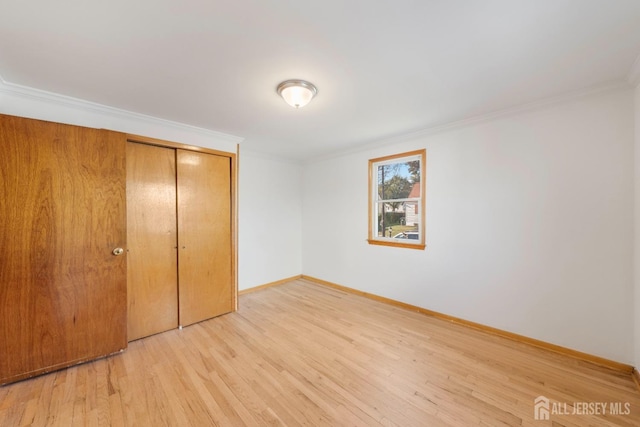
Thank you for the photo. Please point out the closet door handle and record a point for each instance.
(117, 251)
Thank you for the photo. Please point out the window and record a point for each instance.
(396, 200)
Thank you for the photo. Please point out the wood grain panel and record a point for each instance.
(204, 237)
(152, 266)
(62, 292)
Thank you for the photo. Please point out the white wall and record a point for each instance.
(637, 230)
(529, 225)
(270, 216)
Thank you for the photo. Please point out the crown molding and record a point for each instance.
(475, 120)
(634, 73)
(52, 98)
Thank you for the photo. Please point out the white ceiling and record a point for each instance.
(383, 68)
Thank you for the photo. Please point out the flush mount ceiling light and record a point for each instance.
(297, 93)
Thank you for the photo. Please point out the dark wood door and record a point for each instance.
(62, 291)
(204, 236)
(152, 264)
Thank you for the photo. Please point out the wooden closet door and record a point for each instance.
(62, 291)
(204, 236)
(152, 276)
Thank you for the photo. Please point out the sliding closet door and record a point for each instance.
(204, 236)
(152, 277)
(62, 289)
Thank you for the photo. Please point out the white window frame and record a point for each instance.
(374, 200)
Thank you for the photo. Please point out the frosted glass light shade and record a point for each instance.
(297, 93)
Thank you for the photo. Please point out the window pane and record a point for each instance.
(398, 180)
(398, 220)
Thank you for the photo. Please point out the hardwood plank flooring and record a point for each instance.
(304, 354)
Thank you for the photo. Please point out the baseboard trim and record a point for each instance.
(269, 285)
(611, 364)
(636, 377)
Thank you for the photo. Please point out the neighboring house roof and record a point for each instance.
(415, 190)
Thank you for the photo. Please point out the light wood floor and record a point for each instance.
(303, 354)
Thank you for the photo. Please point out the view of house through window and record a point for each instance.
(396, 200)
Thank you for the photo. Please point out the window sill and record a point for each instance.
(420, 246)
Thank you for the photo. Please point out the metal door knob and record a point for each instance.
(117, 251)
